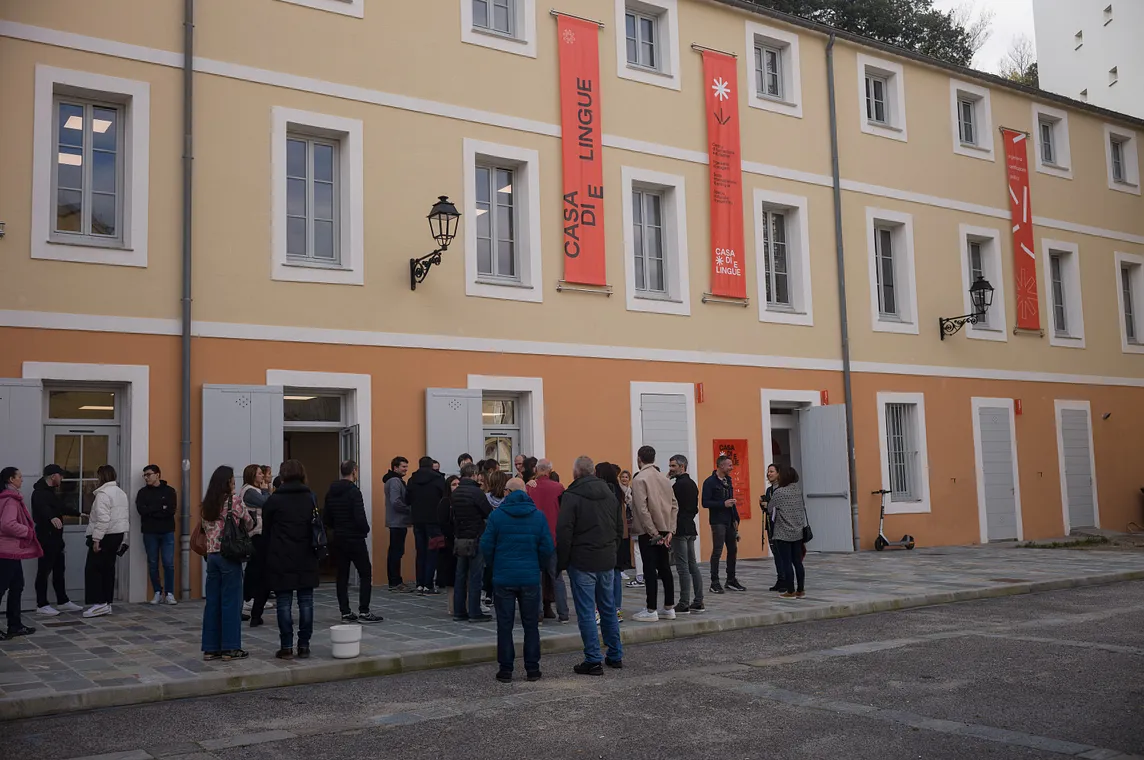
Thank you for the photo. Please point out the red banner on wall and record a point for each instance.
(736, 448)
(720, 76)
(1024, 249)
(579, 46)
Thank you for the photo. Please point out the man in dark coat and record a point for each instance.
(588, 530)
(683, 542)
(48, 511)
(719, 501)
(157, 503)
(291, 560)
(345, 516)
(424, 492)
(470, 510)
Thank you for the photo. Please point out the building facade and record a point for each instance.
(1086, 49)
(322, 132)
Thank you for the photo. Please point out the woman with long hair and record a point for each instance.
(106, 541)
(790, 519)
(222, 614)
(291, 561)
(528, 471)
(253, 587)
(769, 520)
(18, 542)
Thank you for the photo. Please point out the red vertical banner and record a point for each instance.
(580, 132)
(720, 77)
(1024, 249)
(736, 448)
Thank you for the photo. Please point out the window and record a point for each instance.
(1130, 290)
(311, 200)
(777, 266)
(655, 242)
(512, 417)
(647, 50)
(1052, 152)
(774, 75)
(887, 279)
(495, 16)
(882, 94)
(1117, 148)
(321, 408)
(893, 289)
(1065, 318)
(90, 168)
(1129, 308)
(783, 258)
(1123, 159)
(1113, 76)
(967, 121)
(904, 453)
(972, 120)
(502, 237)
(505, 25)
(980, 247)
(355, 8)
(769, 71)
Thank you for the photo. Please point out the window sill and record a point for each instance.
(771, 99)
(499, 35)
(658, 299)
(649, 70)
(86, 242)
(1122, 183)
(974, 146)
(781, 309)
(880, 125)
(503, 283)
(317, 265)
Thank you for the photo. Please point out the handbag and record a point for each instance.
(807, 534)
(465, 547)
(436, 543)
(199, 540)
(234, 543)
(320, 541)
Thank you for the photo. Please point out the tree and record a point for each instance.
(978, 30)
(1020, 63)
(910, 24)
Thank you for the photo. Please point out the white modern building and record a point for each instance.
(1090, 50)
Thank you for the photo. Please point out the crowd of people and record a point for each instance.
(509, 544)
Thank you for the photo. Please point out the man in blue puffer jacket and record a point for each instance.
(517, 543)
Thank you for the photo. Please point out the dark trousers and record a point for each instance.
(426, 559)
(657, 569)
(353, 551)
(774, 552)
(506, 600)
(99, 572)
(723, 535)
(12, 584)
(393, 557)
(52, 563)
(253, 581)
(789, 555)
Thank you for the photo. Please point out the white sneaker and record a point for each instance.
(625, 576)
(247, 606)
(667, 614)
(97, 610)
(70, 607)
(485, 609)
(170, 599)
(157, 599)
(646, 616)
(47, 610)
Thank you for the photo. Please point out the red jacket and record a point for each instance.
(17, 531)
(546, 495)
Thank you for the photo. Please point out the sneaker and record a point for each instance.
(589, 669)
(244, 617)
(683, 608)
(480, 618)
(284, 654)
(620, 616)
(47, 610)
(697, 608)
(646, 616)
(734, 585)
(432, 591)
(486, 609)
(716, 588)
(616, 664)
(788, 595)
(460, 619)
(97, 610)
(563, 619)
(235, 654)
(369, 617)
(637, 583)
(247, 606)
(667, 613)
(208, 656)
(349, 617)
(800, 595)
(170, 599)
(777, 587)
(534, 675)
(70, 607)
(157, 598)
(548, 613)
(23, 630)
(256, 621)
(504, 676)
(303, 653)
(400, 588)
(597, 617)
(624, 576)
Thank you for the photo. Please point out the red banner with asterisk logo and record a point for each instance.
(1024, 249)
(583, 216)
(720, 75)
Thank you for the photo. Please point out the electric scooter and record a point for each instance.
(881, 542)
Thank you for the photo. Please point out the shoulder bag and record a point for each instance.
(199, 540)
(320, 539)
(235, 543)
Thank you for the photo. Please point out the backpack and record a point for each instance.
(235, 543)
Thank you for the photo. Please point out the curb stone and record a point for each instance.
(471, 654)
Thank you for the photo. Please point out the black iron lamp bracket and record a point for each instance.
(953, 325)
(419, 268)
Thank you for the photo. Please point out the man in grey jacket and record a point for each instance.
(397, 519)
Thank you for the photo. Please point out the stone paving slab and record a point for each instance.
(144, 654)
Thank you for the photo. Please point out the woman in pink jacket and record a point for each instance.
(17, 543)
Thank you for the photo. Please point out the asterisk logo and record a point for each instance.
(569, 37)
(722, 88)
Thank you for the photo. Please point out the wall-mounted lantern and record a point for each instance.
(443, 220)
(981, 295)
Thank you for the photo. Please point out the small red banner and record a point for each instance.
(579, 46)
(736, 448)
(1024, 249)
(720, 77)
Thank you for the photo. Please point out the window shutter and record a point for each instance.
(241, 425)
(453, 425)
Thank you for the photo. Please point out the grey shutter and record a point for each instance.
(825, 477)
(453, 425)
(242, 424)
(663, 424)
(997, 473)
(1078, 468)
(22, 445)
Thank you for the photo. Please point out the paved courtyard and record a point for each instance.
(144, 654)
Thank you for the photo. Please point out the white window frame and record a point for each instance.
(351, 199)
(1062, 165)
(529, 391)
(801, 311)
(902, 225)
(982, 147)
(894, 74)
(354, 8)
(312, 141)
(787, 44)
(990, 242)
(667, 73)
(1135, 262)
(675, 259)
(134, 97)
(1074, 305)
(922, 505)
(526, 164)
(522, 42)
(1131, 159)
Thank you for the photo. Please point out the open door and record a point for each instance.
(349, 447)
(22, 445)
(453, 425)
(826, 477)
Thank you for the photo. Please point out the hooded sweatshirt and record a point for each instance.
(589, 527)
(517, 542)
(396, 508)
(424, 493)
(156, 505)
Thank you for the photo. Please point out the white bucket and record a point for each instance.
(345, 641)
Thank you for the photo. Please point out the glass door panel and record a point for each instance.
(502, 446)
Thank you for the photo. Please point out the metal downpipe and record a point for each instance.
(185, 394)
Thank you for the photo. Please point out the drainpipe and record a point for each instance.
(185, 396)
(847, 390)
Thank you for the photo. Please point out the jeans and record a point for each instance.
(99, 572)
(687, 565)
(426, 559)
(12, 584)
(222, 615)
(505, 600)
(723, 535)
(790, 554)
(557, 581)
(591, 592)
(353, 551)
(52, 563)
(286, 617)
(657, 568)
(161, 545)
(393, 557)
(467, 586)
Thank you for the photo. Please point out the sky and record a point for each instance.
(1012, 18)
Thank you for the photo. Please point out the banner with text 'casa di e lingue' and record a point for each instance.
(1021, 206)
(720, 76)
(579, 45)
